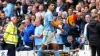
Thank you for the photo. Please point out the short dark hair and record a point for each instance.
(71, 8)
(86, 6)
(2, 11)
(18, 3)
(50, 3)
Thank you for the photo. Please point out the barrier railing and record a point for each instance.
(49, 53)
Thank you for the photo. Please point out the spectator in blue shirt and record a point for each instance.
(81, 41)
(27, 33)
(38, 34)
(58, 36)
(9, 10)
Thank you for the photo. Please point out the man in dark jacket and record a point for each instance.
(71, 43)
(93, 35)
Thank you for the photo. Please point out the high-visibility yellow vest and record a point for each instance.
(10, 35)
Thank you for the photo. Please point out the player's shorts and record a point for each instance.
(48, 37)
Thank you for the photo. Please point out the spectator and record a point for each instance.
(93, 30)
(2, 42)
(31, 2)
(8, 20)
(87, 11)
(58, 37)
(86, 8)
(71, 17)
(78, 8)
(2, 19)
(33, 17)
(21, 27)
(41, 12)
(40, 1)
(65, 34)
(64, 16)
(11, 1)
(80, 22)
(60, 13)
(98, 4)
(20, 39)
(71, 43)
(29, 10)
(60, 6)
(10, 36)
(4, 5)
(74, 31)
(18, 9)
(92, 3)
(38, 36)
(36, 5)
(87, 19)
(55, 16)
(1, 11)
(27, 33)
(81, 3)
(93, 12)
(9, 10)
(34, 10)
(71, 3)
(82, 10)
(24, 7)
(1, 6)
(99, 12)
(81, 41)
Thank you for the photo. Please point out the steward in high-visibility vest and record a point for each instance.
(10, 35)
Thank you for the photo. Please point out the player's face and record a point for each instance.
(52, 6)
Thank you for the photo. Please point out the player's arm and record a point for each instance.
(55, 26)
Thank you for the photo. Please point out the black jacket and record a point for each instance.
(18, 12)
(74, 31)
(72, 45)
(93, 32)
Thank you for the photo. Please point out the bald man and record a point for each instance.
(93, 12)
(38, 36)
(10, 36)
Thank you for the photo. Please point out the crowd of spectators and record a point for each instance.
(71, 15)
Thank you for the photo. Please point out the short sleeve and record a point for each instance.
(50, 17)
